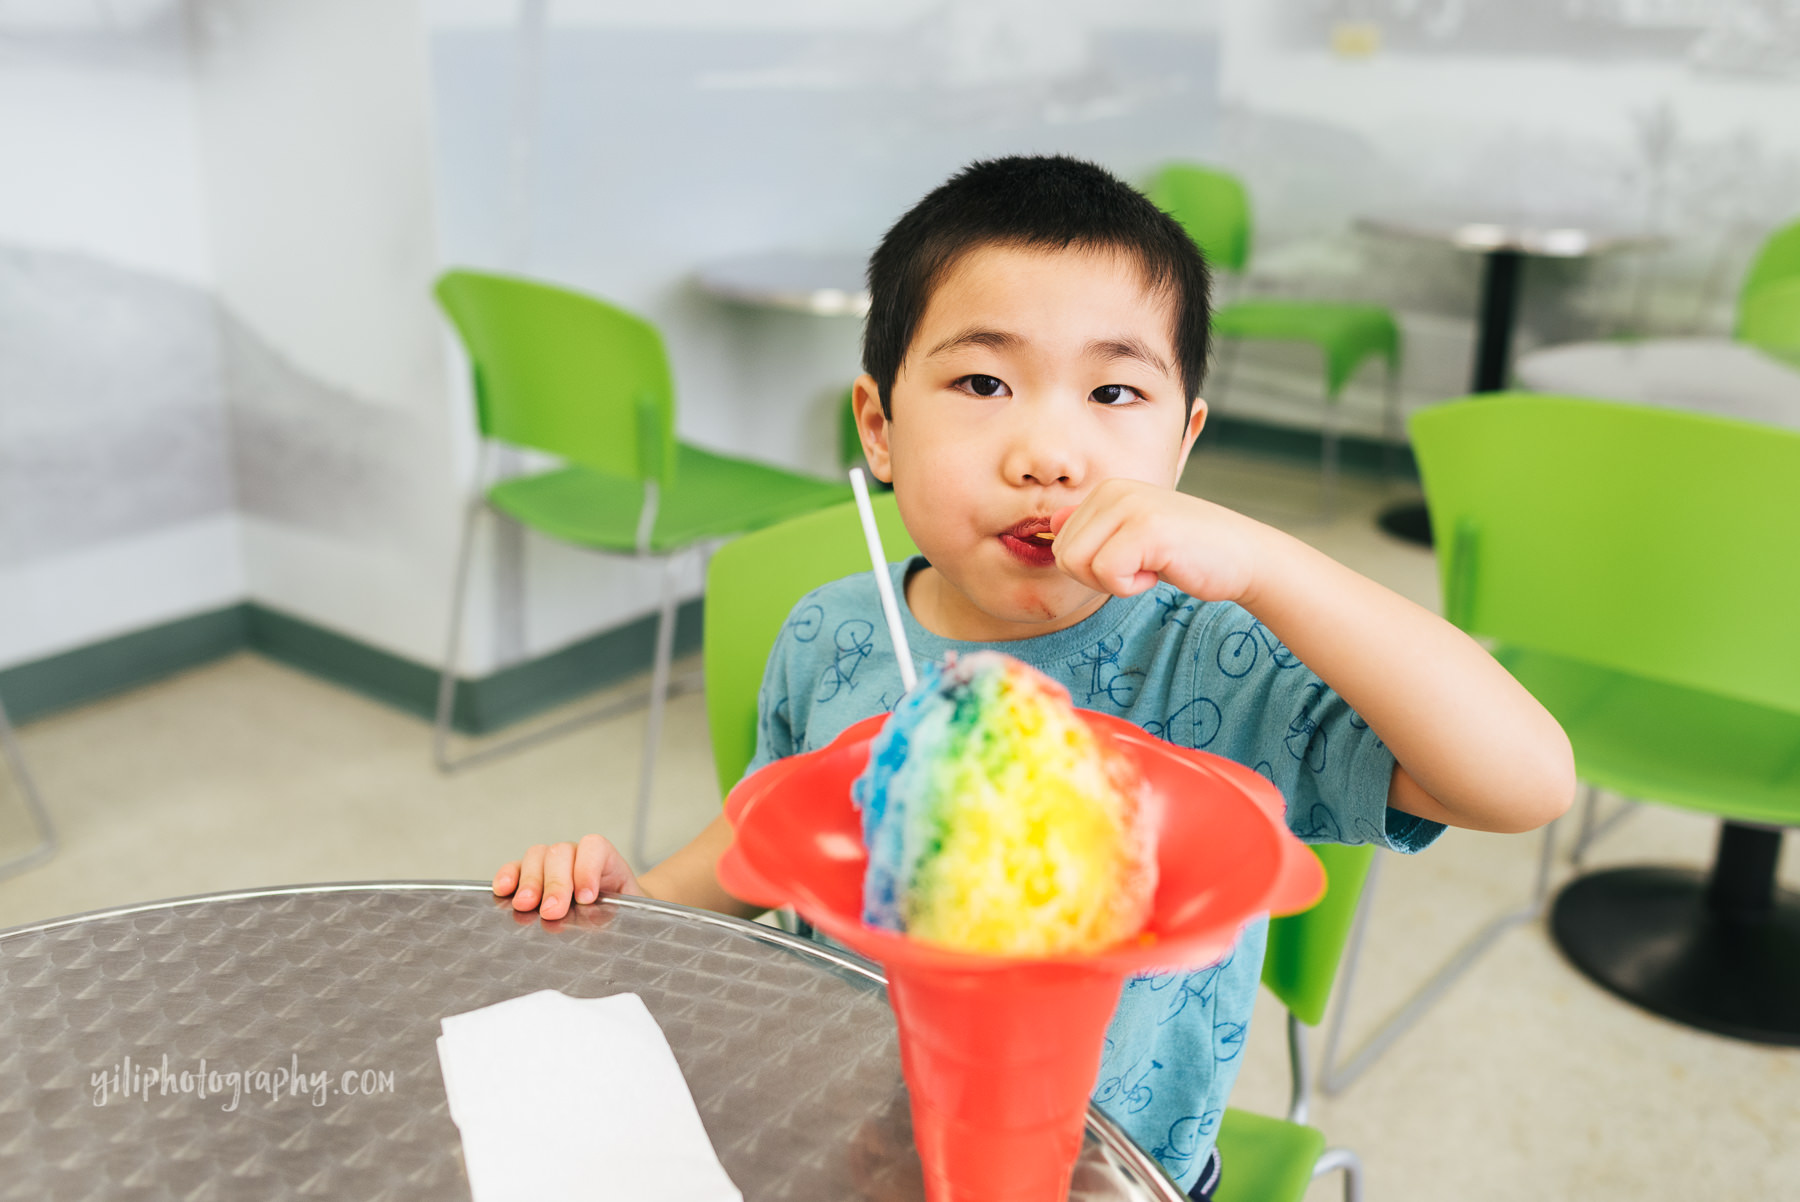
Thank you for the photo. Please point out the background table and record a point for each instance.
(1707, 375)
(789, 1048)
(1504, 247)
(826, 285)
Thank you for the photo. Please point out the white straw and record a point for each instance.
(884, 583)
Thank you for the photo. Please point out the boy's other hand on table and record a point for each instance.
(549, 876)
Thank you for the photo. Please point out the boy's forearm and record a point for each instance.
(1488, 756)
(690, 877)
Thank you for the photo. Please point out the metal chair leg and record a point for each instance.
(446, 698)
(1336, 1077)
(1332, 1160)
(45, 847)
(1328, 460)
(659, 695)
(1228, 351)
(1390, 422)
(1593, 827)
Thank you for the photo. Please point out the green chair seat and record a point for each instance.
(1265, 1159)
(709, 496)
(1349, 334)
(1662, 742)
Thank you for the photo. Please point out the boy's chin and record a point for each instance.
(1057, 605)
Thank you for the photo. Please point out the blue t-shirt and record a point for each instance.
(1201, 674)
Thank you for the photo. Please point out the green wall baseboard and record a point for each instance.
(485, 704)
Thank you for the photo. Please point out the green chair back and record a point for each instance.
(1778, 260)
(1770, 318)
(565, 373)
(1305, 948)
(850, 452)
(1652, 542)
(1212, 206)
(751, 585)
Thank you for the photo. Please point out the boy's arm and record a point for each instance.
(691, 875)
(1475, 749)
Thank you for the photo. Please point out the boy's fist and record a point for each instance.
(1128, 534)
(548, 877)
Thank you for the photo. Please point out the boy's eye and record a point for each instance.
(983, 385)
(1116, 394)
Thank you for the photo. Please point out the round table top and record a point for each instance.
(825, 285)
(1526, 237)
(788, 1048)
(1708, 375)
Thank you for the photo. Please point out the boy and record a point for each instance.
(1033, 359)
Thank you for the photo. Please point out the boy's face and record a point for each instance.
(1032, 377)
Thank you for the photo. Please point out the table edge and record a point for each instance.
(1110, 1135)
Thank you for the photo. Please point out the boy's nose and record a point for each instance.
(1044, 452)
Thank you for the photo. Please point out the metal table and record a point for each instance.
(1504, 248)
(788, 1047)
(1706, 375)
(823, 285)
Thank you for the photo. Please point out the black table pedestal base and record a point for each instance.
(1718, 951)
(1409, 520)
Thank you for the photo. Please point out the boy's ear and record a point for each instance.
(872, 424)
(1196, 423)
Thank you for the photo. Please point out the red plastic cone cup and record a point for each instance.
(999, 1067)
(1001, 1053)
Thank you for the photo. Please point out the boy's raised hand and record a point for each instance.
(549, 876)
(1127, 535)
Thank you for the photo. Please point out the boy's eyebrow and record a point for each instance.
(994, 340)
(1103, 349)
(1127, 347)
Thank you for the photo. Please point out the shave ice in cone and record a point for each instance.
(1010, 860)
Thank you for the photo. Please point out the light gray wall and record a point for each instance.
(221, 374)
(116, 500)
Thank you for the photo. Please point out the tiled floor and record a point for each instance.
(1525, 1082)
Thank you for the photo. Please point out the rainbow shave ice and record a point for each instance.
(997, 821)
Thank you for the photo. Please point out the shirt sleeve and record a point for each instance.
(1292, 727)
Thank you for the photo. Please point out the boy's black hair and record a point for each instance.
(1049, 202)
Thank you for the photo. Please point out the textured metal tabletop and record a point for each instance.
(326, 1001)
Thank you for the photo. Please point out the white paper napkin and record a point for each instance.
(561, 1097)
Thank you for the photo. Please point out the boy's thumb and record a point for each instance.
(1059, 517)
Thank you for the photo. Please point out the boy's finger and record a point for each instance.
(559, 867)
(507, 879)
(590, 858)
(531, 878)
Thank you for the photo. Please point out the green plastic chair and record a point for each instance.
(1769, 319)
(751, 587)
(1636, 569)
(570, 375)
(1274, 1160)
(850, 452)
(1215, 210)
(1777, 261)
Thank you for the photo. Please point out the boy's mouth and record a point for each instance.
(1030, 542)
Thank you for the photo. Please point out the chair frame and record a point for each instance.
(1329, 427)
(656, 696)
(1336, 1076)
(1331, 1160)
(46, 844)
